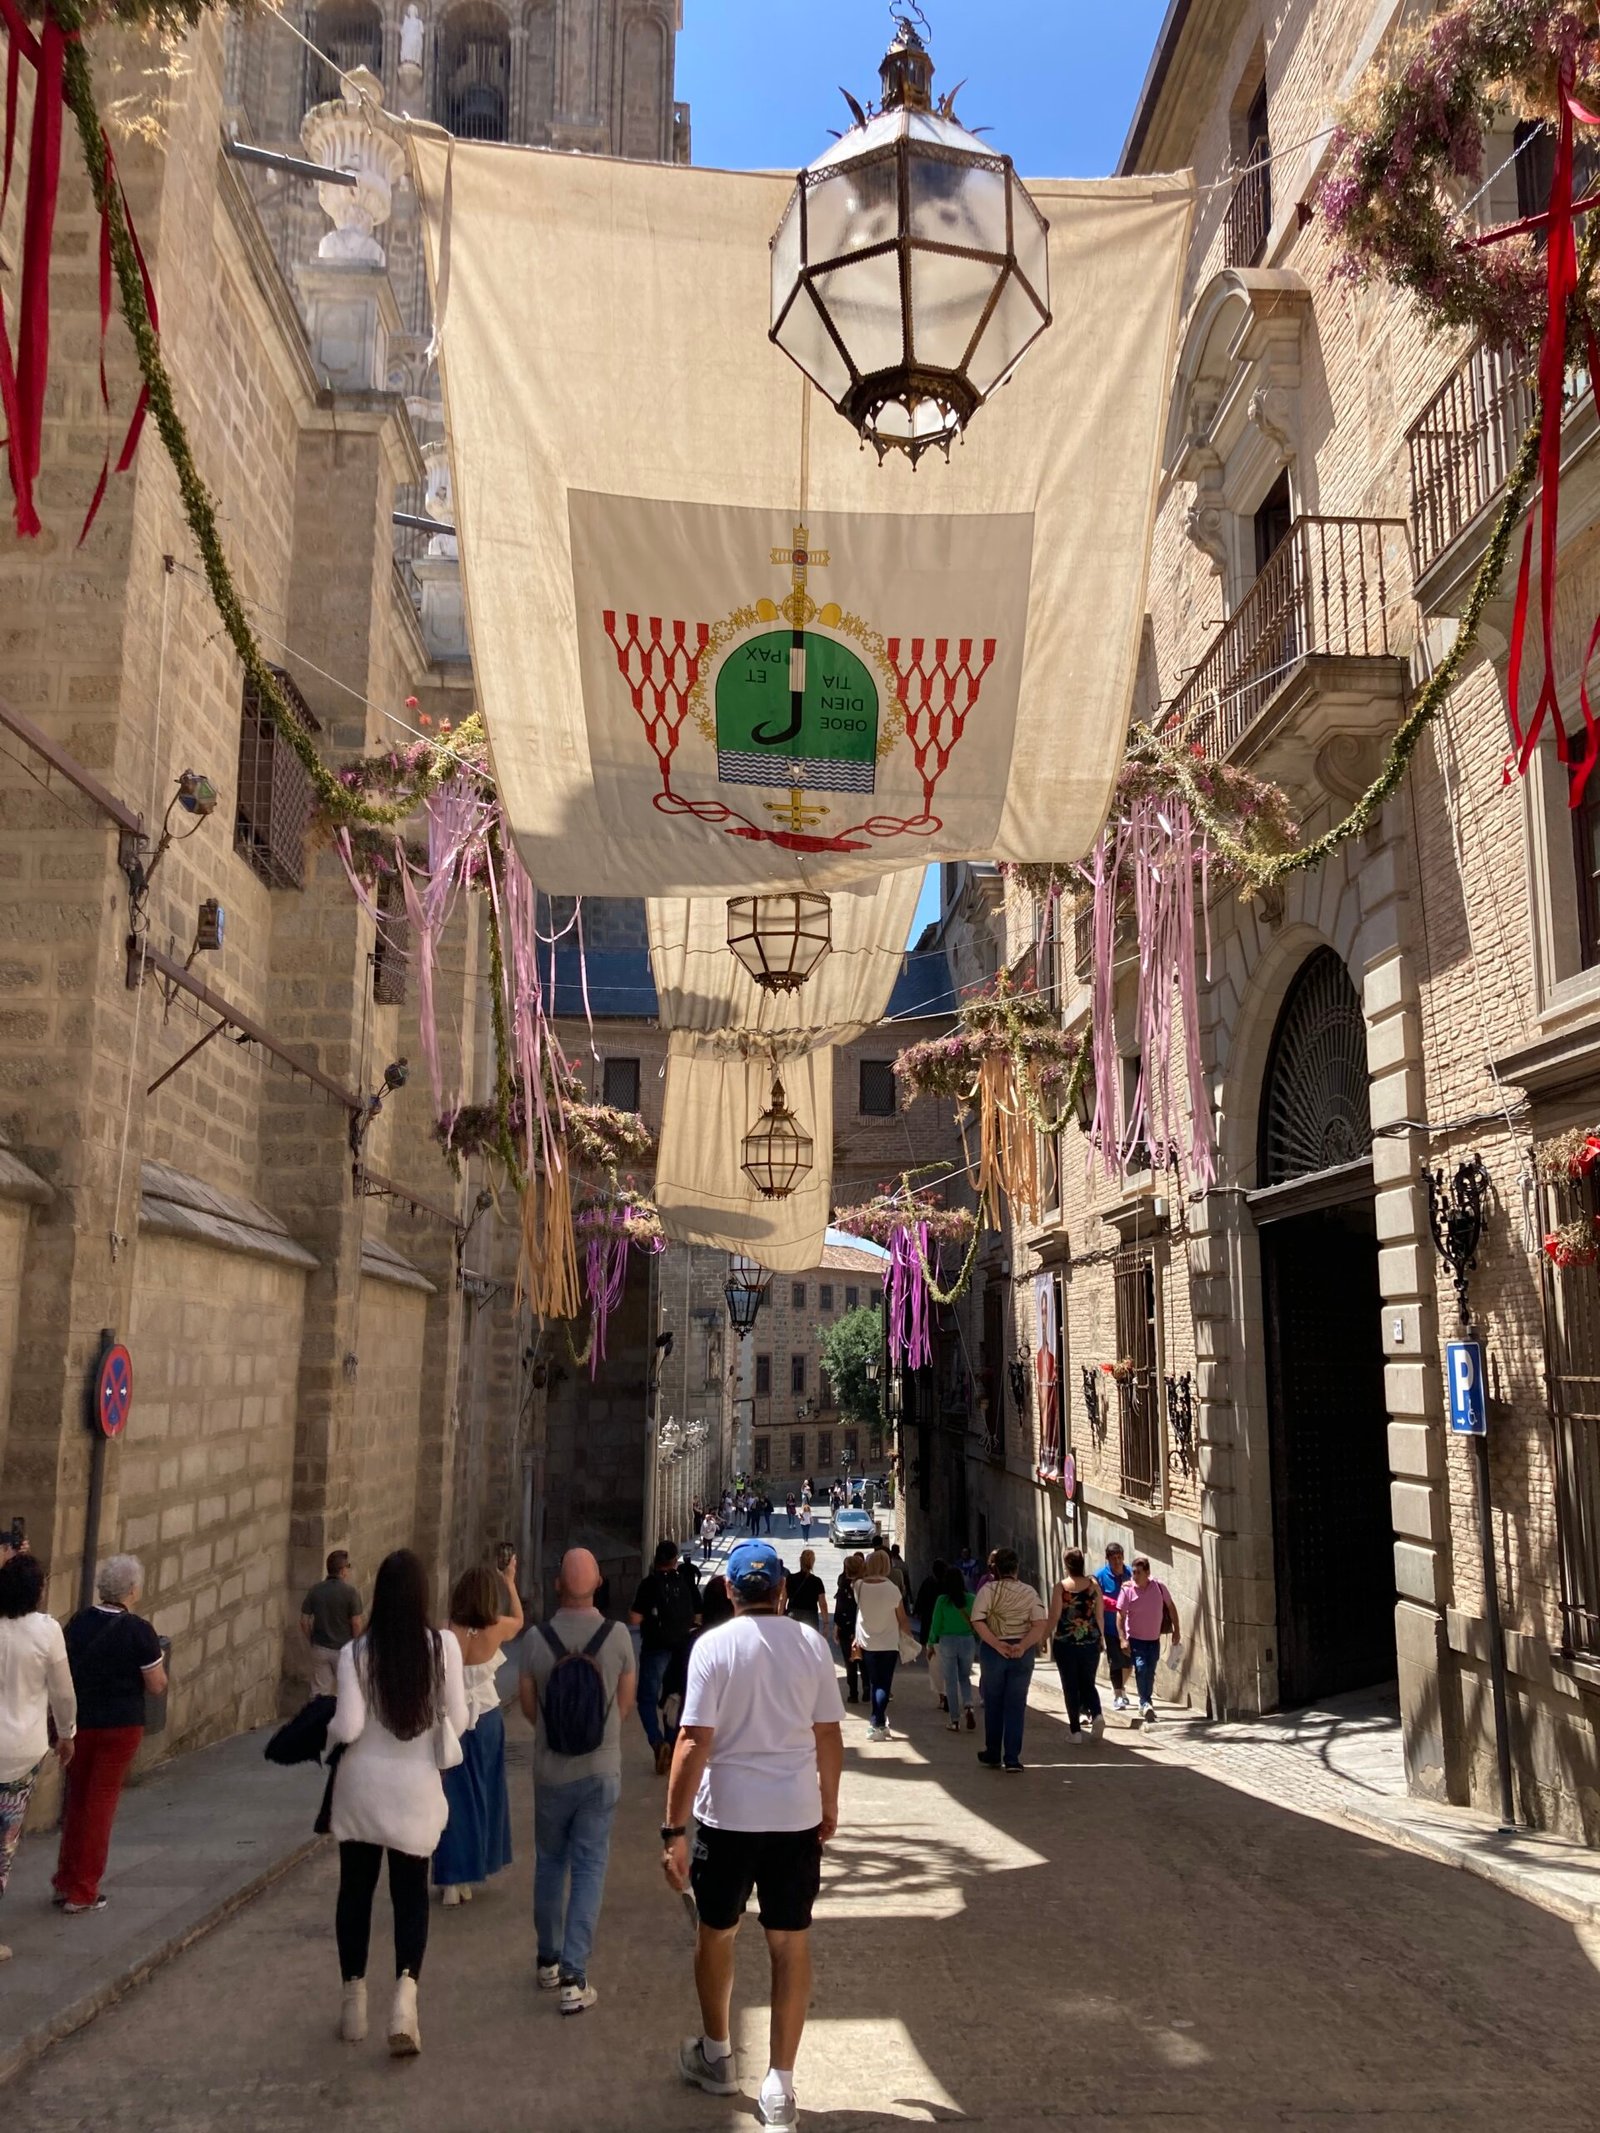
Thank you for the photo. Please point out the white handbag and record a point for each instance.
(447, 1749)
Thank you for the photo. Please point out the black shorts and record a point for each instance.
(783, 1866)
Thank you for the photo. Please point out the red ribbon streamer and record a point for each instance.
(1561, 268)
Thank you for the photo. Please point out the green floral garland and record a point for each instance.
(337, 802)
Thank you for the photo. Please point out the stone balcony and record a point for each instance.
(1306, 672)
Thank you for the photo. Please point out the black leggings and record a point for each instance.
(352, 1920)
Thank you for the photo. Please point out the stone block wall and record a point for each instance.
(203, 1477)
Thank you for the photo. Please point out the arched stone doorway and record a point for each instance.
(1333, 1540)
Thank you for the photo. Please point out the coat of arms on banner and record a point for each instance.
(820, 688)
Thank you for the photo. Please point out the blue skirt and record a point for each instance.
(477, 1838)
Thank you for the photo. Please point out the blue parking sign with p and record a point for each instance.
(1463, 1363)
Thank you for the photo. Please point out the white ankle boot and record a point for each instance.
(405, 2038)
(353, 2011)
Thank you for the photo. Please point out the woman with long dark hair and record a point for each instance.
(402, 1709)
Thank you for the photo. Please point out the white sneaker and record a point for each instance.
(576, 1995)
(781, 2111)
(878, 1733)
(353, 2011)
(405, 2037)
(1147, 1711)
(1097, 1727)
(1119, 1703)
(549, 1976)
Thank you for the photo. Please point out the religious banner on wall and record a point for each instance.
(717, 646)
(1046, 1375)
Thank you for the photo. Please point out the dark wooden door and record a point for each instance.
(1333, 1538)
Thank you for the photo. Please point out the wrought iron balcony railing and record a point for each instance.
(1324, 592)
(1249, 218)
(1465, 442)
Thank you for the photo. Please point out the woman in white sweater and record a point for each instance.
(402, 1707)
(35, 1686)
(880, 1624)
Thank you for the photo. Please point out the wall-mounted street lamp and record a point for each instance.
(395, 1076)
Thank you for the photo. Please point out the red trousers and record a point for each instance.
(101, 1757)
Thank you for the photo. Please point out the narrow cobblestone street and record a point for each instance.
(1115, 1936)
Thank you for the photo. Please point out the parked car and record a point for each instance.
(852, 1529)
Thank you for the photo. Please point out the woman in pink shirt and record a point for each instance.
(1144, 1609)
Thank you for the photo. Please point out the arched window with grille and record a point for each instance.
(472, 78)
(1316, 1111)
(351, 33)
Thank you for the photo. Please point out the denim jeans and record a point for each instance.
(652, 1682)
(1146, 1651)
(955, 1654)
(1077, 1664)
(1005, 1702)
(878, 1669)
(572, 1843)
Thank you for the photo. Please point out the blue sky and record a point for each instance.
(1055, 79)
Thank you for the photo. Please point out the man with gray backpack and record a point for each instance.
(578, 1685)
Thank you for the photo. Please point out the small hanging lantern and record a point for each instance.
(746, 1291)
(780, 939)
(911, 270)
(776, 1152)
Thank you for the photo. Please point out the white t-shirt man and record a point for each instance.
(762, 1681)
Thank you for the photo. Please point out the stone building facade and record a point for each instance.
(796, 1430)
(616, 1463)
(1253, 1374)
(325, 1348)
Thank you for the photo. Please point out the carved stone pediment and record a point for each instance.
(1234, 422)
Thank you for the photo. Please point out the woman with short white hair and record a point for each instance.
(35, 1686)
(116, 1659)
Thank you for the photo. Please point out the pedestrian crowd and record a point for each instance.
(735, 1685)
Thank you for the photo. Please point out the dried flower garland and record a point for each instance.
(1575, 1243)
(1413, 136)
(1567, 1156)
(895, 1207)
(599, 1137)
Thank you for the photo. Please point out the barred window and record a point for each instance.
(824, 1448)
(797, 1373)
(797, 1296)
(852, 1297)
(825, 1296)
(1134, 1277)
(763, 1455)
(797, 1453)
(393, 950)
(763, 1376)
(275, 796)
(620, 1084)
(877, 1088)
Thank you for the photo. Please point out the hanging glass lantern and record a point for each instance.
(781, 939)
(746, 1291)
(776, 1153)
(911, 270)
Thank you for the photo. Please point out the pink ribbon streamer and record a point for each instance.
(910, 1340)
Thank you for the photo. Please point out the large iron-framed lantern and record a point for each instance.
(910, 272)
(746, 1291)
(777, 1151)
(780, 939)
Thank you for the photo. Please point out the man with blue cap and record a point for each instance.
(760, 1752)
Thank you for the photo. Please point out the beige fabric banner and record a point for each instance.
(702, 987)
(703, 1195)
(704, 669)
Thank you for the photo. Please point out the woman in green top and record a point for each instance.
(950, 1637)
